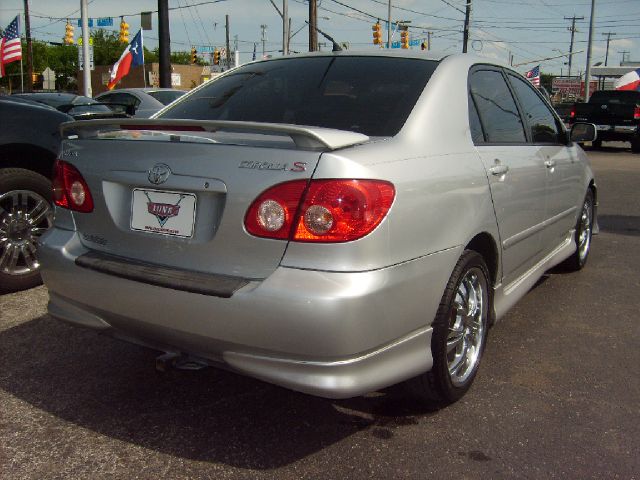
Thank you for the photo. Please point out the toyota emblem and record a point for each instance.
(159, 173)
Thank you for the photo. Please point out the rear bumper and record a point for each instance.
(617, 132)
(329, 334)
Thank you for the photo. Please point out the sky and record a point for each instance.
(533, 31)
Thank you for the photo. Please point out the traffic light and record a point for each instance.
(424, 46)
(377, 33)
(216, 57)
(404, 38)
(68, 34)
(124, 31)
(194, 53)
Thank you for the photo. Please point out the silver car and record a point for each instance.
(140, 102)
(333, 223)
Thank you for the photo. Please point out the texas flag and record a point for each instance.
(132, 56)
(629, 81)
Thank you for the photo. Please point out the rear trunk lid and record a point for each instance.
(175, 193)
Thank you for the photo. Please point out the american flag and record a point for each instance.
(533, 76)
(10, 46)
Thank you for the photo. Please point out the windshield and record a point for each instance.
(165, 97)
(369, 95)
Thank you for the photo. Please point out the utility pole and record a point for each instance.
(572, 29)
(313, 23)
(228, 56)
(27, 31)
(164, 44)
(606, 56)
(429, 40)
(264, 38)
(285, 27)
(587, 74)
(86, 67)
(389, 26)
(624, 56)
(465, 34)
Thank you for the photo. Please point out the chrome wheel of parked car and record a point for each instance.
(466, 328)
(25, 214)
(583, 233)
(459, 333)
(584, 230)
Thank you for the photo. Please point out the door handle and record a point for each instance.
(498, 170)
(550, 163)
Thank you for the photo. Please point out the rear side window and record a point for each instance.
(120, 99)
(165, 97)
(370, 95)
(496, 107)
(542, 122)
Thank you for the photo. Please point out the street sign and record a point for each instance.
(81, 58)
(90, 21)
(80, 41)
(105, 22)
(48, 79)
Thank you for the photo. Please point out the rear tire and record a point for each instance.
(584, 230)
(635, 145)
(25, 214)
(596, 144)
(459, 333)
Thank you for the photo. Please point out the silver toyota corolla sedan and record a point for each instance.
(333, 223)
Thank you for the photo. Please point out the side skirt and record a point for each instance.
(506, 296)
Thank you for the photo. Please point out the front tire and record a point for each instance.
(25, 214)
(459, 333)
(584, 230)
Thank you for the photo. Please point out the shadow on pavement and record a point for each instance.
(620, 224)
(112, 388)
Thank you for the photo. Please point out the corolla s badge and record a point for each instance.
(159, 173)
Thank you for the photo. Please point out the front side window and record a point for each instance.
(369, 95)
(542, 122)
(496, 107)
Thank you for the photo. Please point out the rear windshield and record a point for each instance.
(615, 96)
(369, 95)
(165, 97)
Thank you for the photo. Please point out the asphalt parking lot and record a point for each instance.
(557, 396)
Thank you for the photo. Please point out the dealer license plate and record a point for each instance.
(161, 212)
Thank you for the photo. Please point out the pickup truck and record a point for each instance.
(616, 114)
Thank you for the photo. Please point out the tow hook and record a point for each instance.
(179, 361)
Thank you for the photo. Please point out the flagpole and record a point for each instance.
(21, 69)
(144, 72)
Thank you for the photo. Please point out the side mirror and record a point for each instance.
(583, 132)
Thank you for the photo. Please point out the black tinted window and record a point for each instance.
(542, 122)
(371, 95)
(474, 123)
(496, 107)
(165, 97)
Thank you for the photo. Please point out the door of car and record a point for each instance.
(517, 175)
(562, 167)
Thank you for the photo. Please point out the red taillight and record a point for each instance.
(329, 211)
(636, 113)
(69, 188)
(272, 214)
(572, 114)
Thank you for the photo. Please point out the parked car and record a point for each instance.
(333, 223)
(144, 102)
(29, 141)
(616, 114)
(78, 106)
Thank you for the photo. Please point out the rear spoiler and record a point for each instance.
(304, 137)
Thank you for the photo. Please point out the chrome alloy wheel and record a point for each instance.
(24, 216)
(584, 234)
(466, 326)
